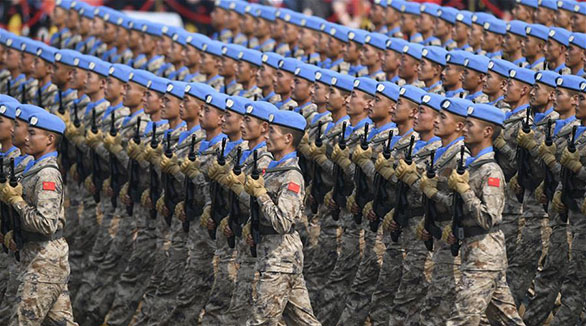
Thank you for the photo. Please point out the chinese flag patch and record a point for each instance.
(293, 187)
(494, 182)
(47, 185)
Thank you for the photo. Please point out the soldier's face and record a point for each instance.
(164, 45)
(553, 50)
(574, 56)
(446, 124)
(73, 20)
(357, 103)
(109, 35)
(531, 46)
(262, 28)
(78, 79)
(153, 102)
(6, 128)
(581, 108)
(335, 99)
(565, 100)
(114, 89)
(514, 91)
(93, 83)
(291, 33)
(511, 43)
(122, 37)
(579, 23)
(27, 63)
(471, 79)
(460, 32)
(283, 82)
(37, 141)
(85, 25)
(244, 72)
(208, 63)
(474, 131)
(228, 67)
(377, 14)
(12, 59)
(540, 95)
(278, 141)
(97, 27)
(247, 25)
(351, 52)
(302, 90)
(451, 75)
(321, 94)
(20, 133)
(58, 16)
(335, 47)
(277, 29)
(133, 39)
(190, 108)
(391, 61)
(404, 111)
(60, 74)
(369, 56)
(493, 83)
(233, 20)
(523, 13)
(409, 66)
(424, 119)
(218, 16)
(210, 118)
(425, 23)
(543, 16)
(148, 44)
(39, 68)
(392, 15)
(427, 70)
(231, 123)
(265, 76)
(177, 53)
(490, 41)
(475, 35)
(307, 38)
(133, 94)
(442, 28)
(408, 23)
(170, 108)
(380, 107)
(562, 18)
(192, 56)
(252, 128)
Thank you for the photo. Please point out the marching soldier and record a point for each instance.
(410, 13)
(193, 55)
(460, 31)
(266, 75)
(492, 38)
(353, 52)
(445, 24)
(43, 65)
(308, 37)
(393, 18)
(219, 22)
(31, 85)
(371, 55)
(283, 83)
(524, 10)
(59, 18)
(576, 55)
(426, 23)
(545, 12)
(12, 57)
(392, 60)
(303, 85)
(337, 40)
(452, 74)
(533, 45)
(249, 64)
(86, 16)
(62, 69)
(177, 55)
(430, 71)
(555, 50)
(211, 60)
(228, 67)
(495, 83)
(150, 58)
(265, 16)
(513, 43)
(476, 67)
(291, 33)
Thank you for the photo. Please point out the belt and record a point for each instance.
(268, 230)
(37, 237)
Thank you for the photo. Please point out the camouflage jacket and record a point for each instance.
(216, 82)
(254, 93)
(68, 97)
(233, 88)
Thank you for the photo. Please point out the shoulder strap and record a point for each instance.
(35, 171)
(283, 169)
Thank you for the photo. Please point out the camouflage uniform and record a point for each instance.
(32, 85)
(42, 294)
(478, 97)
(266, 46)
(378, 76)
(165, 70)
(288, 104)
(282, 49)
(254, 94)
(194, 77)
(436, 88)
(154, 64)
(68, 96)
(483, 287)
(340, 66)
(16, 86)
(71, 42)
(58, 39)
(233, 88)
(538, 65)
(4, 77)
(216, 82)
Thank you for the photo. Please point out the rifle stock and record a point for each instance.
(133, 175)
(235, 212)
(380, 183)
(338, 191)
(254, 209)
(458, 210)
(400, 217)
(217, 195)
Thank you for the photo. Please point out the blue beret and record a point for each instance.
(103, 12)
(24, 111)
(199, 90)
(157, 84)
(217, 100)
(82, 61)
(580, 8)
(501, 67)
(578, 39)
(180, 37)
(457, 106)
(213, 47)
(113, 17)
(4, 36)
(570, 82)
(377, 40)
(251, 56)
(47, 121)
(538, 31)
(224, 4)
(151, 28)
(567, 5)
(8, 109)
(288, 64)
(77, 5)
(517, 27)
(7, 98)
(169, 30)
(30, 46)
(448, 14)
(296, 19)
(232, 51)
(66, 57)
(176, 88)
(197, 40)
(124, 21)
(435, 54)
(549, 4)
(339, 32)
(432, 100)
(240, 7)
(412, 93)
(382, 3)
(46, 53)
(488, 113)
(464, 17)
(65, 4)
(311, 22)
(324, 27)
(86, 10)
(529, 3)
(429, 8)
(411, 8)
(98, 66)
(479, 18)
(136, 25)
(457, 57)
(251, 9)
(237, 104)
(120, 72)
(366, 85)
(389, 90)
(288, 119)
(261, 110)
(357, 35)
(288, 16)
(496, 26)
(478, 63)
(395, 4)
(560, 35)
(413, 49)
(141, 77)
(13, 41)
(524, 75)
(547, 77)
(272, 59)
(266, 12)
(343, 82)
(583, 86)
(396, 44)
(306, 71)
(324, 76)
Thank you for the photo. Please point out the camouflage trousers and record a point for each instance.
(4, 272)
(524, 259)
(510, 228)
(42, 304)
(413, 286)
(132, 285)
(74, 205)
(387, 284)
(281, 295)
(364, 283)
(548, 281)
(242, 296)
(335, 291)
(480, 292)
(12, 283)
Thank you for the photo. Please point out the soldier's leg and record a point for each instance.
(4, 272)
(242, 300)
(298, 310)
(40, 303)
(510, 228)
(501, 309)
(387, 284)
(9, 302)
(84, 241)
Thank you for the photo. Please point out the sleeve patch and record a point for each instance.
(293, 187)
(47, 185)
(494, 182)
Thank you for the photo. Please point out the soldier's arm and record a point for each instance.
(282, 213)
(486, 210)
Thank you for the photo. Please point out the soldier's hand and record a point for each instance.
(304, 146)
(351, 204)
(459, 182)
(359, 156)
(255, 188)
(190, 168)
(547, 153)
(318, 154)
(170, 165)
(162, 207)
(341, 156)
(514, 184)
(540, 193)
(558, 204)
(135, 151)
(89, 185)
(205, 216)
(451, 239)
(112, 142)
(571, 160)
(11, 195)
(367, 211)
(145, 199)
(246, 234)
(235, 182)
(384, 167)
(526, 140)
(583, 207)
(9, 241)
(153, 155)
(499, 142)
(92, 140)
(388, 220)
(123, 195)
(180, 211)
(428, 186)
(329, 200)
(421, 232)
(73, 172)
(407, 172)
(65, 116)
(211, 225)
(227, 231)
(106, 188)
(217, 171)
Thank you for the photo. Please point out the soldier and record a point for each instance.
(31, 85)
(266, 75)
(452, 74)
(393, 18)
(378, 17)
(291, 32)
(302, 91)
(496, 82)
(61, 77)
(371, 55)
(219, 22)
(244, 32)
(309, 38)
(43, 65)
(124, 52)
(249, 63)
(409, 19)
(59, 19)
(234, 21)
(476, 33)
(476, 67)
(109, 17)
(545, 12)
(446, 18)
(430, 71)
(248, 24)
(576, 54)
(283, 83)
(323, 41)
(73, 24)
(228, 69)
(563, 16)
(4, 73)
(152, 59)
(265, 16)
(164, 46)
(177, 55)
(512, 43)
(524, 10)
(492, 38)
(579, 18)
(278, 31)
(211, 60)
(277, 271)
(12, 57)
(337, 40)
(137, 35)
(481, 188)
(460, 31)
(410, 61)
(392, 59)
(86, 16)
(41, 295)
(193, 56)
(78, 81)
(533, 46)
(353, 52)
(426, 23)
(555, 50)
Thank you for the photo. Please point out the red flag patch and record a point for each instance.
(47, 185)
(494, 182)
(293, 187)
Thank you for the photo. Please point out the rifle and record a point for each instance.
(254, 209)
(8, 82)
(79, 154)
(40, 97)
(401, 217)
(154, 191)
(114, 166)
(64, 145)
(316, 187)
(430, 210)
(458, 210)
(190, 208)
(380, 202)
(549, 183)
(23, 95)
(235, 211)
(61, 108)
(170, 191)
(363, 194)
(133, 175)
(568, 187)
(96, 170)
(16, 227)
(216, 212)
(4, 209)
(338, 192)
(523, 168)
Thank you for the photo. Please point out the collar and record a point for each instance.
(396, 139)
(280, 104)
(47, 85)
(10, 150)
(331, 124)
(560, 67)
(422, 143)
(428, 40)
(360, 124)
(375, 131)
(212, 79)
(267, 42)
(205, 144)
(90, 106)
(579, 131)
(111, 109)
(484, 151)
(268, 97)
(230, 145)
(454, 92)
(471, 97)
(440, 151)
(540, 116)
(184, 134)
(559, 124)
(244, 91)
(19, 159)
(157, 57)
(519, 61)
(318, 116)
(149, 126)
(300, 108)
(393, 31)
(516, 110)
(494, 54)
(395, 79)
(436, 84)
(246, 153)
(355, 69)
(538, 61)
(335, 63)
(132, 115)
(289, 156)
(34, 162)
(496, 101)
(170, 130)
(373, 75)
(463, 47)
